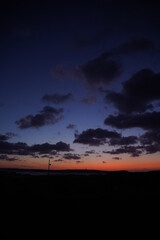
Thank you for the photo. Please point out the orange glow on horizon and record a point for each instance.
(129, 164)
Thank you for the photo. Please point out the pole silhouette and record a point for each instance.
(49, 164)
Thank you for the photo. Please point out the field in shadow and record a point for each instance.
(94, 186)
(77, 200)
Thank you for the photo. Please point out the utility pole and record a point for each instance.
(49, 164)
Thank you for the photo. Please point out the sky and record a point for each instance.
(80, 85)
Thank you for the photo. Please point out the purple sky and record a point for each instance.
(80, 83)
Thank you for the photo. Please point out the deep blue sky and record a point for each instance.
(82, 81)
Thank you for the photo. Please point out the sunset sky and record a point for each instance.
(80, 85)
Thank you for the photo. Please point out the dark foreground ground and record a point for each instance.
(68, 197)
(85, 185)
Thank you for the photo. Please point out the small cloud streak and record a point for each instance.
(116, 158)
(69, 156)
(71, 126)
(6, 158)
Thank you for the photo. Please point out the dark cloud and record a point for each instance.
(123, 141)
(13, 148)
(4, 137)
(150, 137)
(101, 70)
(86, 154)
(78, 161)
(105, 68)
(48, 115)
(11, 134)
(71, 126)
(7, 136)
(35, 156)
(45, 156)
(90, 152)
(58, 160)
(116, 158)
(89, 100)
(21, 148)
(153, 148)
(134, 151)
(50, 148)
(134, 45)
(57, 98)
(148, 120)
(6, 158)
(127, 103)
(61, 146)
(95, 137)
(151, 141)
(70, 156)
(137, 93)
(104, 162)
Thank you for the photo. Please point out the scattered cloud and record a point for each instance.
(105, 68)
(101, 70)
(148, 121)
(7, 136)
(4, 137)
(150, 140)
(137, 93)
(134, 151)
(58, 160)
(123, 141)
(6, 158)
(150, 137)
(90, 152)
(153, 148)
(48, 115)
(21, 148)
(134, 45)
(95, 137)
(69, 156)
